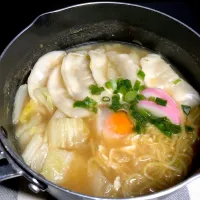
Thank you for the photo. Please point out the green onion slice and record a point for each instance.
(105, 99)
(136, 86)
(160, 101)
(95, 90)
(141, 74)
(177, 81)
(112, 84)
(130, 96)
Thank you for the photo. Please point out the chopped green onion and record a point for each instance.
(112, 84)
(88, 103)
(94, 109)
(138, 128)
(140, 97)
(152, 99)
(94, 89)
(125, 83)
(119, 80)
(186, 109)
(160, 101)
(142, 87)
(125, 106)
(144, 113)
(141, 74)
(177, 81)
(189, 128)
(136, 86)
(116, 105)
(115, 92)
(130, 96)
(106, 99)
(164, 125)
(122, 90)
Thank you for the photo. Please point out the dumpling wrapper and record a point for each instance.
(98, 66)
(61, 98)
(124, 65)
(76, 74)
(159, 74)
(42, 69)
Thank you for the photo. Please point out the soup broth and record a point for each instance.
(107, 120)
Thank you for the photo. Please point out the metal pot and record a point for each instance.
(102, 21)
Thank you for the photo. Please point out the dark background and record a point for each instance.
(16, 15)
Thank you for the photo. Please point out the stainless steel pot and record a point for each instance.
(102, 21)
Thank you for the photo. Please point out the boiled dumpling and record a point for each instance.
(159, 74)
(67, 133)
(61, 98)
(124, 65)
(57, 164)
(42, 69)
(157, 71)
(112, 73)
(185, 94)
(98, 65)
(20, 100)
(76, 74)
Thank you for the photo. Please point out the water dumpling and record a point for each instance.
(124, 65)
(76, 74)
(61, 98)
(42, 69)
(153, 66)
(185, 93)
(98, 65)
(159, 74)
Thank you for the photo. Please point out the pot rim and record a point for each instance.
(26, 168)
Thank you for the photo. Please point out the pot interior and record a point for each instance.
(93, 23)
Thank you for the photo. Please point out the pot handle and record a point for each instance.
(8, 169)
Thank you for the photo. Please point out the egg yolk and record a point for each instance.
(119, 123)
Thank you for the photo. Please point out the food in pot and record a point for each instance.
(107, 119)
